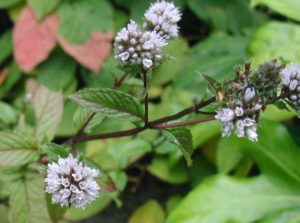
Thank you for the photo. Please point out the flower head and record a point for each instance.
(71, 183)
(163, 17)
(291, 82)
(135, 47)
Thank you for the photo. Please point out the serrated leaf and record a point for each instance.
(182, 137)
(82, 15)
(110, 102)
(17, 149)
(27, 200)
(54, 151)
(43, 8)
(227, 199)
(48, 107)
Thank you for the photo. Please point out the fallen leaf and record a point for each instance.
(3, 75)
(33, 41)
(92, 53)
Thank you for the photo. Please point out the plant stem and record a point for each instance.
(146, 101)
(120, 81)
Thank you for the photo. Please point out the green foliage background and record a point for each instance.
(231, 180)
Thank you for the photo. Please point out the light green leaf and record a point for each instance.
(5, 45)
(48, 107)
(150, 212)
(276, 154)
(110, 102)
(57, 73)
(227, 199)
(87, 16)
(289, 8)
(283, 216)
(43, 8)
(17, 149)
(276, 40)
(7, 113)
(66, 127)
(119, 178)
(182, 137)
(166, 72)
(216, 57)
(27, 200)
(9, 3)
(168, 171)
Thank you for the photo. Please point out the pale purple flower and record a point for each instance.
(71, 183)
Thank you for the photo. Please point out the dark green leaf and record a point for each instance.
(54, 151)
(110, 102)
(182, 137)
(17, 149)
(5, 45)
(13, 76)
(9, 3)
(56, 212)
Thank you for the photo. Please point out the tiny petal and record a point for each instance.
(239, 111)
(249, 94)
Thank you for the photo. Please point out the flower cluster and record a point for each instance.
(163, 17)
(134, 46)
(71, 183)
(291, 84)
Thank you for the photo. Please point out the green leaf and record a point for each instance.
(182, 137)
(58, 67)
(276, 154)
(48, 107)
(221, 14)
(227, 199)
(288, 8)
(168, 170)
(13, 76)
(75, 214)
(82, 114)
(110, 102)
(42, 8)
(27, 200)
(87, 16)
(283, 216)
(119, 178)
(150, 212)
(166, 72)
(9, 3)
(5, 45)
(54, 151)
(7, 113)
(17, 149)
(66, 127)
(55, 211)
(218, 55)
(276, 40)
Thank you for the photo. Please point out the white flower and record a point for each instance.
(71, 183)
(240, 128)
(163, 17)
(251, 133)
(239, 111)
(227, 128)
(290, 76)
(225, 115)
(249, 94)
(135, 47)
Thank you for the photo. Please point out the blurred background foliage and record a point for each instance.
(65, 45)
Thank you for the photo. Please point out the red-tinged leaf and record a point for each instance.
(3, 75)
(92, 53)
(33, 41)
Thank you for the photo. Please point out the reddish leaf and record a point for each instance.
(92, 53)
(33, 41)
